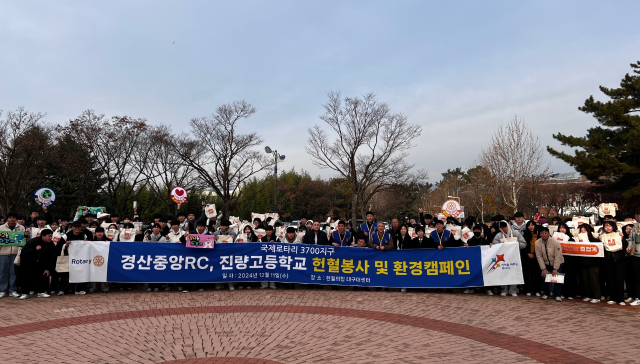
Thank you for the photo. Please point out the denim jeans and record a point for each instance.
(7, 273)
(546, 286)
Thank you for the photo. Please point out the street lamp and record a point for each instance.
(276, 156)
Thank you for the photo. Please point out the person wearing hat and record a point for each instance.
(38, 261)
(425, 220)
(8, 255)
(519, 224)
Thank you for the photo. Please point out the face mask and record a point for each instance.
(477, 233)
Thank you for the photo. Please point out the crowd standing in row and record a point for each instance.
(32, 268)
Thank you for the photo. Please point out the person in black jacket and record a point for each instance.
(316, 236)
(615, 265)
(419, 242)
(478, 238)
(38, 260)
(403, 239)
(530, 266)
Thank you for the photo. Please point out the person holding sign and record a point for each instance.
(550, 259)
(614, 252)
(7, 257)
(506, 234)
(589, 267)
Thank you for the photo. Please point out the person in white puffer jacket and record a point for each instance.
(507, 234)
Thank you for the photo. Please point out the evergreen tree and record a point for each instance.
(610, 154)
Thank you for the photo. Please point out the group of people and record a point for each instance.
(31, 269)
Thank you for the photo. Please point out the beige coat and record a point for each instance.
(549, 253)
(9, 250)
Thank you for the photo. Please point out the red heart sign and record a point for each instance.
(179, 192)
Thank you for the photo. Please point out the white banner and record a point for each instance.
(88, 261)
(501, 264)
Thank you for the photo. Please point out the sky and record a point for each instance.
(457, 68)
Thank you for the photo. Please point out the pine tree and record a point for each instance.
(610, 154)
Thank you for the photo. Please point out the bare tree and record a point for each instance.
(121, 147)
(23, 157)
(368, 145)
(222, 157)
(166, 169)
(514, 157)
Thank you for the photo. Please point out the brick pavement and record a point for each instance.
(307, 326)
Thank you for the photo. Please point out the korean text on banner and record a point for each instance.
(89, 260)
(594, 250)
(300, 263)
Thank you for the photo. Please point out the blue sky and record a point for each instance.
(458, 68)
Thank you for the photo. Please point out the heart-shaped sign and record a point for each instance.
(179, 195)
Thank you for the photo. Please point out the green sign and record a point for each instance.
(12, 238)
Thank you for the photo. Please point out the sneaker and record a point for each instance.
(528, 294)
(538, 294)
(185, 291)
(465, 291)
(24, 296)
(594, 301)
(218, 285)
(200, 289)
(544, 297)
(2, 294)
(611, 302)
(14, 294)
(156, 289)
(489, 292)
(248, 287)
(167, 288)
(231, 288)
(149, 289)
(514, 295)
(635, 302)
(569, 298)
(31, 293)
(628, 300)
(52, 293)
(61, 293)
(91, 291)
(273, 285)
(81, 292)
(602, 298)
(43, 295)
(558, 299)
(622, 304)
(179, 288)
(503, 294)
(586, 299)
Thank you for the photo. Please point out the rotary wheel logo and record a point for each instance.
(98, 261)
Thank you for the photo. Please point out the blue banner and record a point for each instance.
(295, 263)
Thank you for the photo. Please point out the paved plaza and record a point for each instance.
(313, 326)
